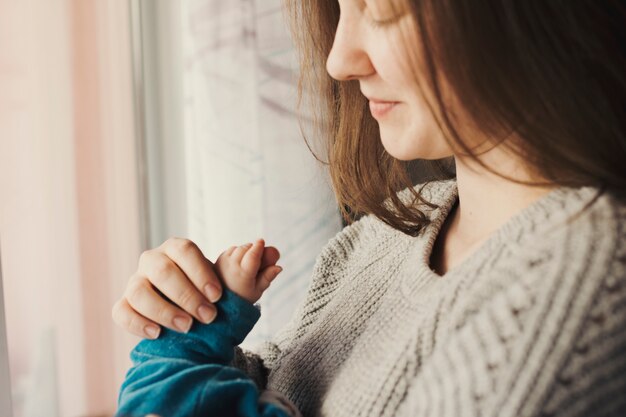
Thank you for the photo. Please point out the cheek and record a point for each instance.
(413, 134)
(411, 131)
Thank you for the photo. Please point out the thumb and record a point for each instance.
(267, 275)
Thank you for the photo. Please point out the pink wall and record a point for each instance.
(68, 198)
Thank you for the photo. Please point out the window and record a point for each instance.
(124, 123)
(5, 383)
(68, 201)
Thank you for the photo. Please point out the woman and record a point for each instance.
(498, 290)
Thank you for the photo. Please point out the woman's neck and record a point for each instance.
(486, 202)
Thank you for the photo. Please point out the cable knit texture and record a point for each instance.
(532, 323)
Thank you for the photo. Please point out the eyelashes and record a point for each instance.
(383, 8)
(384, 22)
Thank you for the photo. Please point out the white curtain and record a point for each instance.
(249, 173)
(69, 213)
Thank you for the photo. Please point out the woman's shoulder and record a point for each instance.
(367, 244)
(371, 234)
(591, 243)
(549, 309)
(580, 227)
(564, 253)
(571, 230)
(369, 230)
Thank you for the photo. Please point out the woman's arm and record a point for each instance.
(189, 374)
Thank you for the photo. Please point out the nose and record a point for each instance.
(348, 58)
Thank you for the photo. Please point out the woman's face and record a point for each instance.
(384, 60)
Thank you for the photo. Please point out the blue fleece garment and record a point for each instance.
(189, 374)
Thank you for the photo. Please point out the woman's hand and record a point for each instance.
(179, 270)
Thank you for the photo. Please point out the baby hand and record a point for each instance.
(238, 267)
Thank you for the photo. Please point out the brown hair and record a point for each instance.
(550, 71)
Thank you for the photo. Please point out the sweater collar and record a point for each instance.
(549, 210)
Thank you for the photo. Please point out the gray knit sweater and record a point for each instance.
(533, 323)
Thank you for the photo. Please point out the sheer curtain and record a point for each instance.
(72, 217)
(68, 201)
(249, 172)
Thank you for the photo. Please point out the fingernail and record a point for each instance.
(212, 293)
(152, 331)
(206, 313)
(182, 323)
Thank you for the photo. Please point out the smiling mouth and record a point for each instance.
(381, 108)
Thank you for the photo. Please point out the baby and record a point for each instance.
(191, 374)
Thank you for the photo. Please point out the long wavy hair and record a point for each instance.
(550, 71)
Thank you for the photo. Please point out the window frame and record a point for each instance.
(5, 376)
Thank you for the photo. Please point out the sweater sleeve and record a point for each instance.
(189, 374)
(591, 380)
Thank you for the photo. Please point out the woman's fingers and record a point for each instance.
(127, 318)
(188, 257)
(142, 297)
(270, 257)
(176, 271)
(160, 271)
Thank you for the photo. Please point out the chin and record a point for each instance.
(405, 147)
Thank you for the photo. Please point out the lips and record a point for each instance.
(381, 108)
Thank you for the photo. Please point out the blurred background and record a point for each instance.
(124, 123)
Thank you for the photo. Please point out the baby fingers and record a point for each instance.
(239, 251)
(252, 257)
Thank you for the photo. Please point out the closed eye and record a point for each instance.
(383, 12)
(379, 23)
